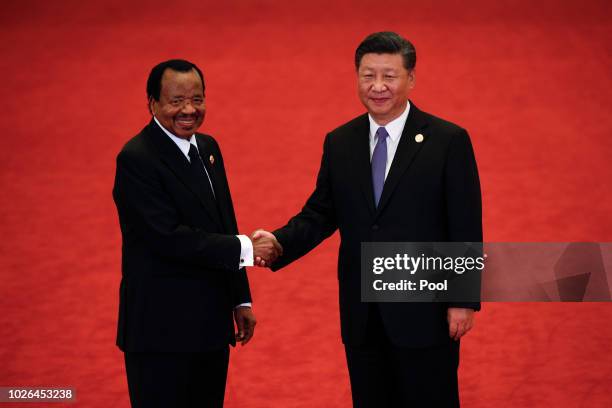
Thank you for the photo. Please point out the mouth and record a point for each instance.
(379, 101)
(186, 121)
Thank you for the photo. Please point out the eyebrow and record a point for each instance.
(384, 70)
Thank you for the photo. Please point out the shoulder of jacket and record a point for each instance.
(352, 125)
(438, 124)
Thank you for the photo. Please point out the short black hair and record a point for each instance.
(387, 42)
(155, 77)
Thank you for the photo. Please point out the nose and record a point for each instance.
(379, 85)
(188, 108)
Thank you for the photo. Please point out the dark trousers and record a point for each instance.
(386, 376)
(177, 380)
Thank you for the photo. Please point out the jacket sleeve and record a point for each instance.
(146, 212)
(463, 197)
(241, 291)
(316, 222)
(240, 288)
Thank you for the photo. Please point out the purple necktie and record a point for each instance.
(379, 163)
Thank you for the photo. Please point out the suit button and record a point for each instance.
(375, 227)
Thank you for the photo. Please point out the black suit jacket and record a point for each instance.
(180, 255)
(431, 194)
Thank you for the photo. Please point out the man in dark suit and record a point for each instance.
(395, 174)
(183, 282)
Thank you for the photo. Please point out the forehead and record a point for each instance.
(176, 81)
(382, 61)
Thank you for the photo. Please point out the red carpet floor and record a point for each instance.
(530, 81)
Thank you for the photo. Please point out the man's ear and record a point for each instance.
(412, 78)
(152, 106)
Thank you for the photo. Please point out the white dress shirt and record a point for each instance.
(394, 129)
(246, 246)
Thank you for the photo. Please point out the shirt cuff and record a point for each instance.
(248, 304)
(246, 251)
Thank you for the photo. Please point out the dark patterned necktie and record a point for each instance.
(199, 170)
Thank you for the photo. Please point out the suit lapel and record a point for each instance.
(406, 151)
(361, 155)
(221, 191)
(172, 156)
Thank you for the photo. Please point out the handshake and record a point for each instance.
(265, 248)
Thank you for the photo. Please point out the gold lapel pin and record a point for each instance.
(418, 138)
(211, 159)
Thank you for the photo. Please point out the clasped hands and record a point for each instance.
(265, 248)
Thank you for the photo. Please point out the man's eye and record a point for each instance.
(198, 101)
(389, 76)
(175, 102)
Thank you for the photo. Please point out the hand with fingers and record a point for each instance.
(245, 323)
(265, 248)
(460, 321)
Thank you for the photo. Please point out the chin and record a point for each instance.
(183, 133)
(378, 111)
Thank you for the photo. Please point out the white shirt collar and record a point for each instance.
(182, 144)
(394, 128)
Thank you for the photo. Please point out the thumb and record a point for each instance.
(240, 334)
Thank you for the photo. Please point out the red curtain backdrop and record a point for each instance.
(529, 80)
